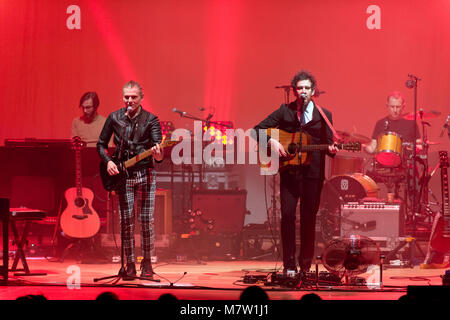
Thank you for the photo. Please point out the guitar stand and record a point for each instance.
(411, 242)
(85, 251)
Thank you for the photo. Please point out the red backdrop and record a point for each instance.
(225, 56)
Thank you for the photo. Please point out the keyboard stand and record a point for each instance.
(28, 216)
(4, 218)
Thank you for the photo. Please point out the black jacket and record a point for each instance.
(141, 133)
(285, 118)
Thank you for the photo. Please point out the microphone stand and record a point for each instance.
(287, 90)
(424, 178)
(207, 122)
(413, 81)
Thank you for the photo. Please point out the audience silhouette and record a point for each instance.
(254, 293)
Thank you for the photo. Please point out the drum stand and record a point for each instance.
(409, 241)
(419, 197)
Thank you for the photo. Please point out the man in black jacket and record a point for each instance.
(135, 130)
(302, 182)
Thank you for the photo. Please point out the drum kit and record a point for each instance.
(391, 175)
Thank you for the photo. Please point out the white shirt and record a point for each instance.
(308, 114)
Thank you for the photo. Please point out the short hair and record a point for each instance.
(90, 95)
(254, 293)
(134, 84)
(304, 75)
(396, 95)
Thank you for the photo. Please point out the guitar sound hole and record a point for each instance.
(292, 148)
(79, 202)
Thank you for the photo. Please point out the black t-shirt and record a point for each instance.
(403, 127)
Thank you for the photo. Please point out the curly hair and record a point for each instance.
(304, 75)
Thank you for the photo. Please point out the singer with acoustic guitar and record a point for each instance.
(135, 131)
(303, 181)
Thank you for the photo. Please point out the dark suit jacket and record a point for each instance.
(141, 133)
(285, 118)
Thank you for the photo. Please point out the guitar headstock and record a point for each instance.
(350, 146)
(169, 143)
(443, 157)
(77, 143)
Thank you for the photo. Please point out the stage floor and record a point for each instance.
(199, 280)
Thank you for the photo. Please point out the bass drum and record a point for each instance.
(346, 165)
(347, 188)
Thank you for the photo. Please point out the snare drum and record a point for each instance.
(389, 149)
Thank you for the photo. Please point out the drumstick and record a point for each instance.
(434, 170)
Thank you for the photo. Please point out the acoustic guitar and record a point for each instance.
(299, 146)
(440, 234)
(79, 219)
(111, 183)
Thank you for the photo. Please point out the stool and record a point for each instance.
(28, 215)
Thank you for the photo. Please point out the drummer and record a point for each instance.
(394, 122)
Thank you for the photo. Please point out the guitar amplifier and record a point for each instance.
(372, 219)
(162, 215)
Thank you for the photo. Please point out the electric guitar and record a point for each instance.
(79, 219)
(440, 235)
(112, 182)
(299, 145)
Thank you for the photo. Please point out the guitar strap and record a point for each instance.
(338, 137)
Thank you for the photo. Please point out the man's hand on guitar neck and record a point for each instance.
(157, 152)
(333, 149)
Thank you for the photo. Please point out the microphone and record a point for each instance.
(445, 126)
(410, 83)
(182, 113)
(129, 109)
(303, 96)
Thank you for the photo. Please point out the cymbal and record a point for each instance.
(343, 134)
(355, 137)
(359, 138)
(432, 143)
(422, 115)
(409, 145)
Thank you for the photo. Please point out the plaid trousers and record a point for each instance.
(137, 196)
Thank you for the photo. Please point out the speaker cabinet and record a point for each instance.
(226, 207)
(162, 214)
(163, 211)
